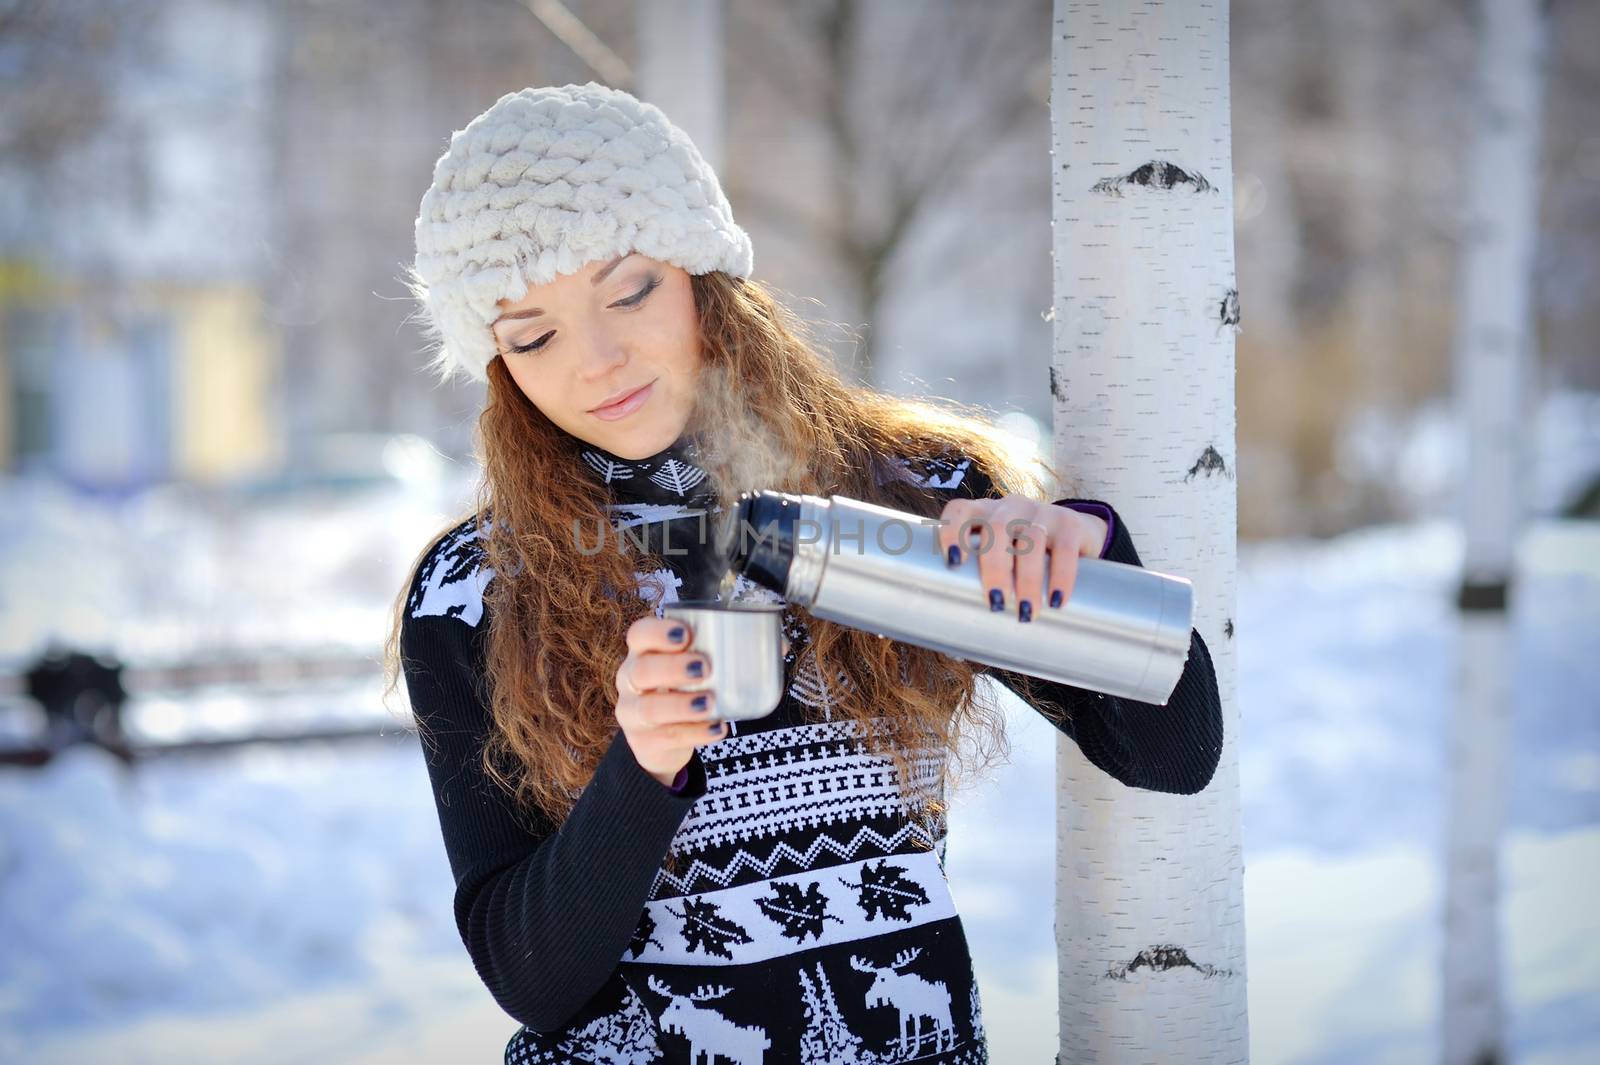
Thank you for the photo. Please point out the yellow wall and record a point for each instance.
(224, 412)
(224, 419)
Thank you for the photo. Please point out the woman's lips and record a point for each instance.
(626, 406)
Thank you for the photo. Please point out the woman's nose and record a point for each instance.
(605, 354)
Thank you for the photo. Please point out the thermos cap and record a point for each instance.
(760, 540)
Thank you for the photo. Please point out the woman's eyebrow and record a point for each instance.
(534, 312)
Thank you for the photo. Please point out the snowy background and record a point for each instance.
(292, 903)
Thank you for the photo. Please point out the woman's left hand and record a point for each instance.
(1014, 535)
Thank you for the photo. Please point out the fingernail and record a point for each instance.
(997, 599)
(698, 702)
(954, 555)
(1055, 597)
(675, 634)
(696, 668)
(1025, 611)
(715, 728)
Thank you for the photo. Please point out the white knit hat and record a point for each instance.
(542, 183)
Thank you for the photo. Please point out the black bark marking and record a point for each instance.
(1160, 958)
(1153, 175)
(1230, 308)
(1227, 628)
(1055, 384)
(1208, 462)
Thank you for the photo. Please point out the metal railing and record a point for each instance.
(84, 697)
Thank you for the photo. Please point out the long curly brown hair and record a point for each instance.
(557, 631)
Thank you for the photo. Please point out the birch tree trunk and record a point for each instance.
(1493, 338)
(1149, 886)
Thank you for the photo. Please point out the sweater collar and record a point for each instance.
(674, 474)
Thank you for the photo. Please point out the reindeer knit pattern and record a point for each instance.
(803, 916)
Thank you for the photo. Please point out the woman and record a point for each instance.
(637, 881)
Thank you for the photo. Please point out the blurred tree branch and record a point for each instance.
(911, 100)
(60, 63)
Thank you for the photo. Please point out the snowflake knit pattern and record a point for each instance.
(804, 917)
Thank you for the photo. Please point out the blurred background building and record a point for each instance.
(207, 205)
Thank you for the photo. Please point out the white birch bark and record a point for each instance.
(1493, 342)
(1149, 886)
(680, 68)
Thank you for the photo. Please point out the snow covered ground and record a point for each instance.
(280, 904)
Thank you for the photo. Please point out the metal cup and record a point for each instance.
(744, 642)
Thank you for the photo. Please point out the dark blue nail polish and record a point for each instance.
(997, 599)
(696, 668)
(698, 702)
(1055, 597)
(715, 729)
(675, 634)
(954, 555)
(1025, 611)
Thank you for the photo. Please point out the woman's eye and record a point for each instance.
(535, 346)
(638, 298)
(632, 301)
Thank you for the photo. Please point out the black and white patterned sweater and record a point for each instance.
(809, 920)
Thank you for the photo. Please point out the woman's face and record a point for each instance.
(620, 330)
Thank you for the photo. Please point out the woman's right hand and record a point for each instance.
(663, 725)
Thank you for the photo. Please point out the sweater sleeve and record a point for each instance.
(1173, 748)
(545, 912)
(1100, 510)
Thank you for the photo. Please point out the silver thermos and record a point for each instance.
(1124, 630)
